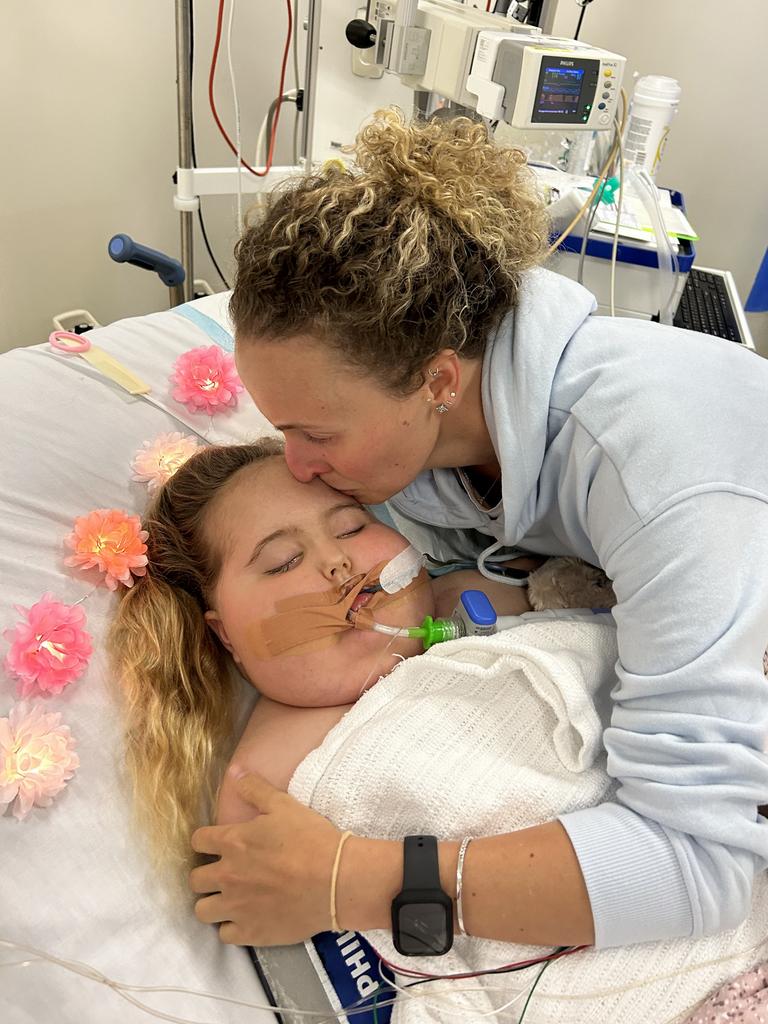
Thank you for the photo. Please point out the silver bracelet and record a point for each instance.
(459, 871)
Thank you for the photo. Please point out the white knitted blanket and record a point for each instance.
(483, 736)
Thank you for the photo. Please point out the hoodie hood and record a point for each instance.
(519, 366)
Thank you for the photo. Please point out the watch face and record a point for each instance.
(422, 929)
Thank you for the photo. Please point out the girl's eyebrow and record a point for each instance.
(295, 531)
(288, 531)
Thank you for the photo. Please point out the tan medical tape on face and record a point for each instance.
(311, 621)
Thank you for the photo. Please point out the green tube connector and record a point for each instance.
(435, 631)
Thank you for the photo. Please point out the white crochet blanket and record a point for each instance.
(482, 736)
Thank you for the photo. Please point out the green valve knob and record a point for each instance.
(609, 190)
(435, 631)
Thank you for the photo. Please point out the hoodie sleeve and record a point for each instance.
(676, 853)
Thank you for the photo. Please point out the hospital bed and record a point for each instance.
(76, 882)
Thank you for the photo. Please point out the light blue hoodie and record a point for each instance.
(642, 449)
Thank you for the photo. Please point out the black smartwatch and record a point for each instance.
(422, 914)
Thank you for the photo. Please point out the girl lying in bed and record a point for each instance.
(233, 539)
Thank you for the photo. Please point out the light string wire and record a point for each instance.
(87, 971)
(121, 989)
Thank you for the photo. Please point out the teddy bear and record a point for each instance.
(569, 583)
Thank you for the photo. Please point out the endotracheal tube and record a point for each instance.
(431, 631)
(474, 615)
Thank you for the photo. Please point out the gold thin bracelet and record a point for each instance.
(334, 876)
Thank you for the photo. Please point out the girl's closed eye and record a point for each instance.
(314, 439)
(285, 566)
(352, 533)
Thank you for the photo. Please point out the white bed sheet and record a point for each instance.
(74, 881)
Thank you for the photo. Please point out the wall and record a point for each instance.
(88, 129)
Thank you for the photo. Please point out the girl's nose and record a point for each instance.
(337, 566)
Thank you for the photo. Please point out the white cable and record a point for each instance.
(238, 141)
(614, 250)
(496, 577)
(442, 996)
(86, 971)
(93, 974)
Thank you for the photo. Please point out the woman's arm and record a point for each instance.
(523, 887)
(271, 883)
(275, 741)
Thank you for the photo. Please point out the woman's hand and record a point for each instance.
(271, 885)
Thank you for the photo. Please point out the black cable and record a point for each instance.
(583, 6)
(192, 139)
(533, 989)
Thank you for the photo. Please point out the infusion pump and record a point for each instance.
(513, 74)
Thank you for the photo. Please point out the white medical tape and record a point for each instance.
(401, 570)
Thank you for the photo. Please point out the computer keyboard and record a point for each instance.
(706, 306)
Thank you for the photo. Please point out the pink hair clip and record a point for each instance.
(37, 758)
(112, 542)
(205, 380)
(50, 648)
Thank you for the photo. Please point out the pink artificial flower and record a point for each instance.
(113, 542)
(37, 758)
(205, 380)
(156, 461)
(50, 649)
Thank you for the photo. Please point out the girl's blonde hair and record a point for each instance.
(174, 676)
(418, 247)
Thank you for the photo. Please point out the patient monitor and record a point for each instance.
(503, 70)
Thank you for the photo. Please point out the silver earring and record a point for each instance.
(442, 408)
(434, 373)
(453, 394)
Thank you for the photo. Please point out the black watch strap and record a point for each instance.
(421, 867)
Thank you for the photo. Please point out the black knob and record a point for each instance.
(360, 33)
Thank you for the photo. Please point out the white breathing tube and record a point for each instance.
(668, 264)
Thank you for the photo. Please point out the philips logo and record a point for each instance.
(566, 63)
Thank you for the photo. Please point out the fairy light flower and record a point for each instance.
(50, 648)
(205, 380)
(156, 461)
(37, 758)
(112, 542)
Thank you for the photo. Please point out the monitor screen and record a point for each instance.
(565, 90)
(560, 91)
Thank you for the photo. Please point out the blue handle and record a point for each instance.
(123, 249)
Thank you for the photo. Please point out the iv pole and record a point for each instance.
(193, 182)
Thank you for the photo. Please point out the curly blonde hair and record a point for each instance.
(418, 247)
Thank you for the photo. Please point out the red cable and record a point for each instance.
(212, 101)
(407, 972)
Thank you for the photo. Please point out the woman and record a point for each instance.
(389, 320)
